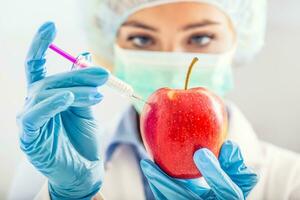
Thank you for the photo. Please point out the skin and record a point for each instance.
(202, 28)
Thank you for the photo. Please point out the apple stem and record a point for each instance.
(187, 78)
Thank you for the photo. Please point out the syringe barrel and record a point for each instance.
(119, 85)
(82, 62)
(113, 82)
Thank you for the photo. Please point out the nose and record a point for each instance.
(172, 45)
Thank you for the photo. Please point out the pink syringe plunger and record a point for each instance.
(63, 53)
(79, 62)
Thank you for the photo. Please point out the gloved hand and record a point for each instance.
(58, 131)
(228, 178)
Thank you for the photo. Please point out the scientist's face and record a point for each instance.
(186, 27)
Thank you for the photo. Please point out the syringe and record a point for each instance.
(112, 81)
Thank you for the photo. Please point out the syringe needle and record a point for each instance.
(139, 98)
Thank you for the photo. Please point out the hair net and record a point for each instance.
(104, 17)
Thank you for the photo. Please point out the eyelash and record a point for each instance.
(189, 42)
(210, 36)
(132, 37)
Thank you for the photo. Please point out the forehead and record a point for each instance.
(179, 12)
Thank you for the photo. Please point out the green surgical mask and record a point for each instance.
(147, 71)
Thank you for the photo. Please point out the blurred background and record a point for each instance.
(267, 89)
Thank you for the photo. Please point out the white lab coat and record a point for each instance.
(278, 169)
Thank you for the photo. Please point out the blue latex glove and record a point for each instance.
(228, 178)
(58, 131)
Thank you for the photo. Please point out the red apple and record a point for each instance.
(177, 122)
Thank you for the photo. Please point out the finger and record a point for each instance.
(198, 186)
(35, 60)
(168, 187)
(83, 132)
(232, 163)
(92, 77)
(84, 96)
(156, 193)
(39, 114)
(216, 178)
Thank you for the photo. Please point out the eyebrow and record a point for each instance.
(139, 25)
(203, 23)
(200, 24)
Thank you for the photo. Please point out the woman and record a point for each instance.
(58, 131)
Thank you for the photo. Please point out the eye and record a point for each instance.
(200, 40)
(141, 41)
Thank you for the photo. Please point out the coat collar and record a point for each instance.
(241, 132)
